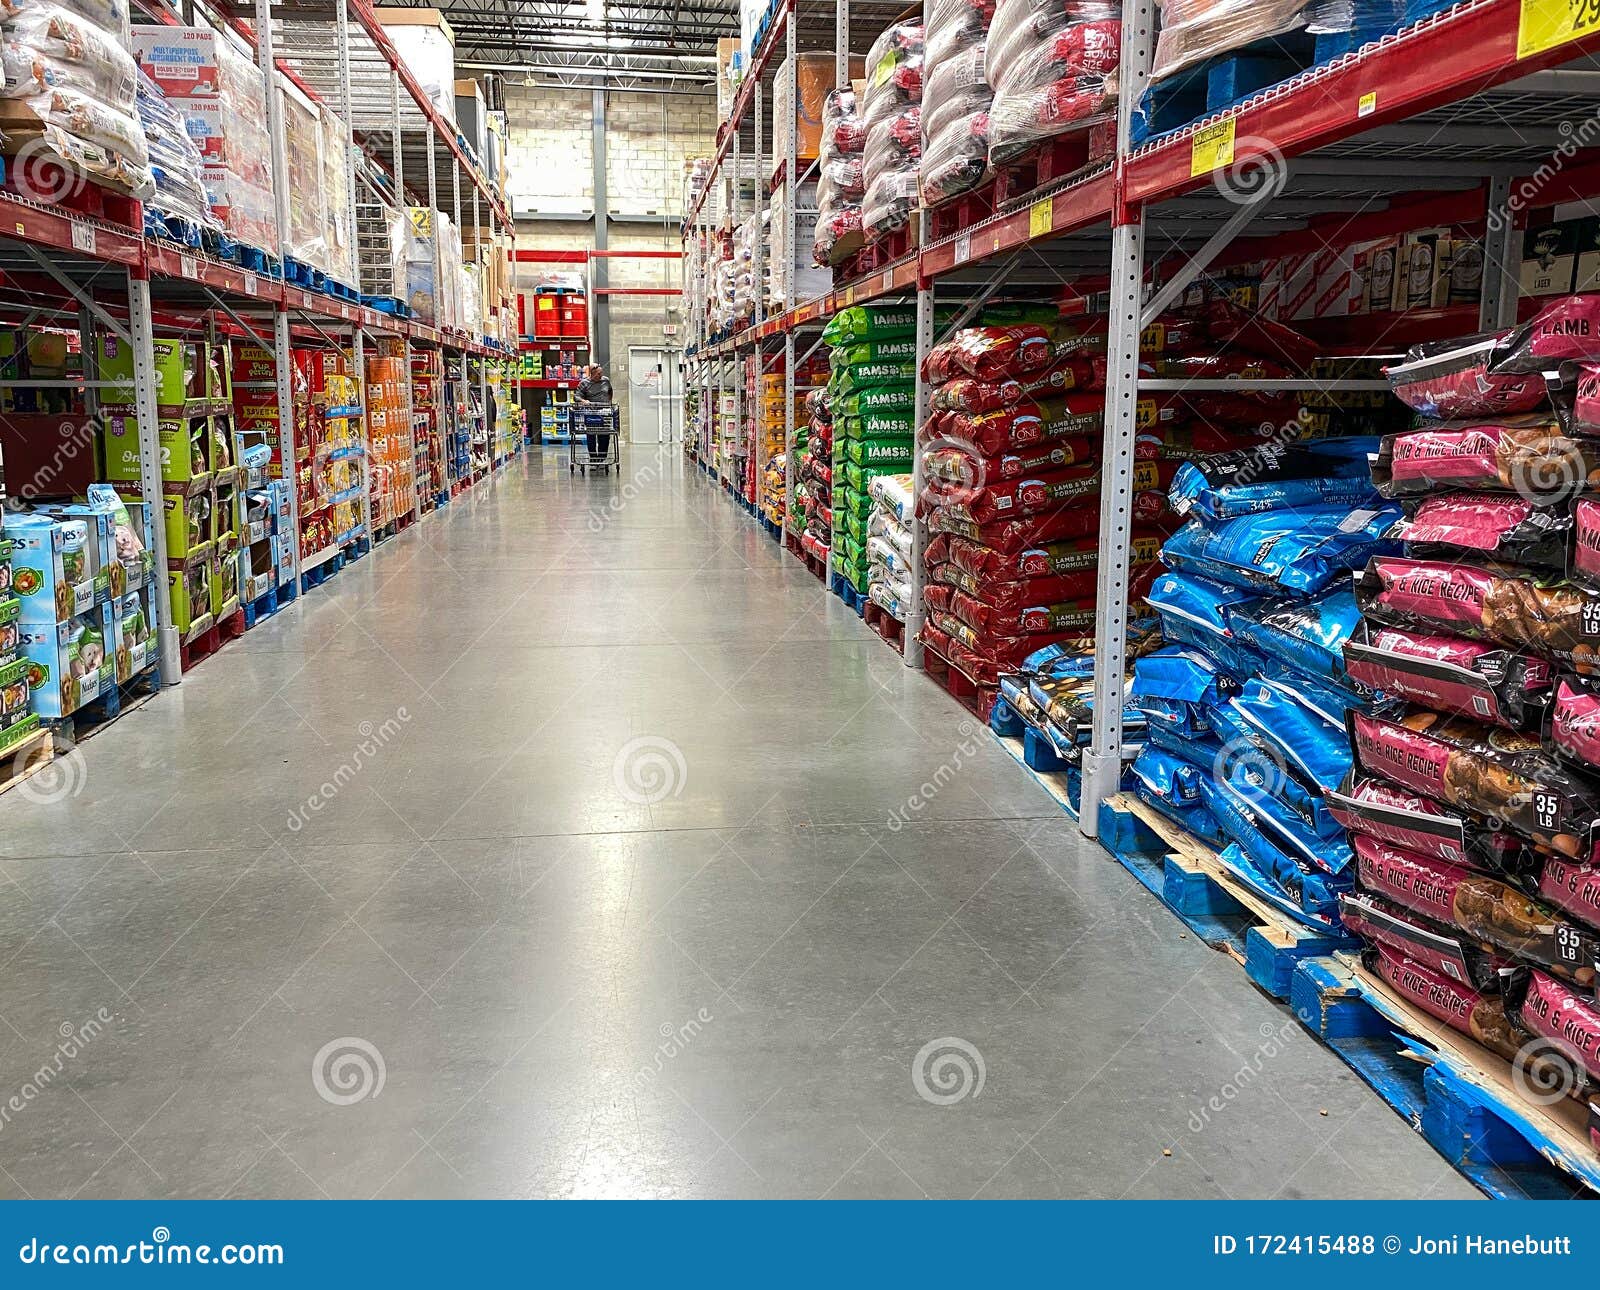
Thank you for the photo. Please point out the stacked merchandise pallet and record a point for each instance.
(891, 118)
(955, 99)
(393, 451)
(427, 393)
(458, 427)
(871, 398)
(812, 518)
(891, 549)
(1473, 795)
(1011, 476)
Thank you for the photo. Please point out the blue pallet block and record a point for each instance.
(387, 305)
(842, 588)
(263, 607)
(1039, 754)
(1269, 946)
(1460, 1097)
(1004, 721)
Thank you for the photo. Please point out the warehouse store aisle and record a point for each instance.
(577, 844)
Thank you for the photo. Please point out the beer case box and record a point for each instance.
(1550, 259)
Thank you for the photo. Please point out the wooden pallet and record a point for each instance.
(1185, 875)
(26, 758)
(1464, 1099)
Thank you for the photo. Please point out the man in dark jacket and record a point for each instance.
(596, 388)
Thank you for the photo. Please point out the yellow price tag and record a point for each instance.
(1544, 24)
(1211, 148)
(1153, 339)
(1366, 104)
(1144, 413)
(884, 70)
(849, 296)
(1041, 217)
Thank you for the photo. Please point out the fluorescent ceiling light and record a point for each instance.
(595, 11)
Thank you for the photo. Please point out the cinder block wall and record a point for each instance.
(551, 166)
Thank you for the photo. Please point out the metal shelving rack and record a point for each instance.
(1433, 124)
(131, 286)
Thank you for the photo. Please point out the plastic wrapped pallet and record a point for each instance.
(221, 93)
(1195, 30)
(70, 85)
(427, 46)
(174, 159)
(421, 278)
(339, 254)
(306, 238)
(1053, 70)
(891, 115)
(840, 184)
(955, 98)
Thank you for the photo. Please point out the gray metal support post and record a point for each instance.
(760, 265)
(791, 464)
(919, 414)
(791, 160)
(1502, 259)
(841, 44)
(1102, 760)
(351, 151)
(144, 393)
(397, 157)
(286, 453)
(599, 276)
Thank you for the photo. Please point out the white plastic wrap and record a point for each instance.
(1195, 30)
(174, 160)
(891, 113)
(109, 15)
(841, 184)
(306, 237)
(71, 84)
(955, 98)
(1053, 70)
(339, 255)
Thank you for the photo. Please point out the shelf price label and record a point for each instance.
(1367, 104)
(249, 282)
(1212, 147)
(1544, 24)
(963, 248)
(1041, 217)
(187, 268)
(83, 237)
(887, 284)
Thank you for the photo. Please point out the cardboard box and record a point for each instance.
(133, 633)
(68, 664)
(10, 630)
(1550, 259)
(184, 62)
(53, 567)
(189, 589)
(427, 46)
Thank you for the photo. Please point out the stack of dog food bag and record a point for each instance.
(813, 486)
(1053, 70)
(871, 392)
(955, 99)
(1474, 810)
(891, 114)
(840, 180)
(890, 543)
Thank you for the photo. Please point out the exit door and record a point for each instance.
(655, 395)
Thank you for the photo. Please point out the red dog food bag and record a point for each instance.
(1575, 722)
(1567, 328)
(1390, 813)
(1504, 775)
(1449, 673)
(1567, 1021)
(1451, 380)
(1455, 1002)
(1489, 526)
(1572, 888)
(1402, 933)
(1529, 456)
(1577, 398)
(1486, 908)
(1586, 540)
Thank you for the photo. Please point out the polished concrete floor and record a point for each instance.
(576, 844)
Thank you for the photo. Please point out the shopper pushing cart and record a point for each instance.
(596, 413)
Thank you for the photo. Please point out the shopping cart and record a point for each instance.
(588, 419)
